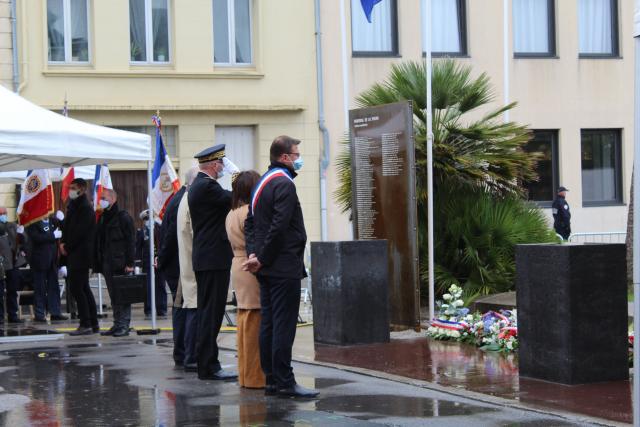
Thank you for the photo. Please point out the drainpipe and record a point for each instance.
(14, 46)
(325, 156)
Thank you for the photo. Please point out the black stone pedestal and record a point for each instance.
(350, 292)
(572, 312)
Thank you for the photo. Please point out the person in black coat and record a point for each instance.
(275, 239)
(43, 262)
(114, 255)
(561, 214)
(142, 254)
(77, 245)
(209, 205)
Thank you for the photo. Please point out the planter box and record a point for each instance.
(350, 292)
(572, 312)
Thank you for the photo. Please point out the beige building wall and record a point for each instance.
(566, 93)
(276, 95)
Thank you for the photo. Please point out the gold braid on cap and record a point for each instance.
(218, 155)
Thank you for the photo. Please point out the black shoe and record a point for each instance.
(178, 363)
(95, 329)
(109, 332)
(81, 330)
(221, 375)
(270, 390)
(191, 367)
(58, 317)
(121, 332)
(15, 320)
(39, 320)
(298, 391)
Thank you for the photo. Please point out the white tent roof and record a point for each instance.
(18, 177)
(32, 137)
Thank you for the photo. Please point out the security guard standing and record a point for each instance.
(561, 214)
(209, 205)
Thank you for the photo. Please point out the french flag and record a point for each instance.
(68, 175)
(367, 6)
(101, 182)
(36, 198)
(163, 178)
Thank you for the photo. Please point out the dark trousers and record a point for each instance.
(190, 335)
(280, 300)
(79, 286)
(161, 295)
(9, 289)
(46, 292)
(121, 312)
(213, 286)
(177, 319)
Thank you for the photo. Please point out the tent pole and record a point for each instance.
(152, 273)
(100, 294)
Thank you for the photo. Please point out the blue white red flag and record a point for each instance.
(164, 178)
(36, 198)
(367, 6)
(101, 182)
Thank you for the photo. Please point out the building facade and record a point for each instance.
(569, 66)
(215, 70)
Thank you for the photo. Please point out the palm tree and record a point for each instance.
(472, 157)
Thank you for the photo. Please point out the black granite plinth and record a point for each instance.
(350, 292)
(572, 312)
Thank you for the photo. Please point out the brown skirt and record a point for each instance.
(250, 373)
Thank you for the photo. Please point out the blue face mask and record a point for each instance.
(4, 219)
(298, 163)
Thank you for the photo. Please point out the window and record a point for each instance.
(601, 167)
(598, 28)
(378, 37)
(168, 136)
(240, 144)
(149, 31)
(68, 30)
(232, 33)
(449, 28)
(534, 28)
(544, 143)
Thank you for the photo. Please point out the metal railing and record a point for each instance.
(599, 237)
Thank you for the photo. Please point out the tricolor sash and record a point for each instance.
(267, 178)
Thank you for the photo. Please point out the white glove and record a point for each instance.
(62, 272)
(20, 229)
(230, 167)
(60, 215)
(57, 234)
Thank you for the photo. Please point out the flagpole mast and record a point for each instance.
(426, 32)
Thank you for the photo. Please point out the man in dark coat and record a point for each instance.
(209, 205)
(9, 285)
(77, 246)
(43, 261)
(561, 214)
(276, 238)
(169, 265)
(114, 255)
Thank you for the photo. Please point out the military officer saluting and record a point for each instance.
(561, 214)
(209, 205)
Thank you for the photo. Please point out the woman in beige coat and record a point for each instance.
(245, 284)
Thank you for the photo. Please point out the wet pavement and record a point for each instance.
(98, 381)
(464, 367)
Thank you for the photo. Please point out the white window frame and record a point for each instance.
(231, 24)
(66, 13)
(148, 29)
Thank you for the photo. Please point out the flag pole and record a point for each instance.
(426, 33)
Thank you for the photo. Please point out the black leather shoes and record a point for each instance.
(191, 367)
(298, 391)
(221, 375)
(81, 330)
(109, 332)
(59, 317)
(95, 329)
(270, 390)
(121, 332)
(16, 320)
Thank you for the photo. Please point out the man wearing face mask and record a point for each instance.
(8, 285)
(43, 261)
(76, 244)
(114, 255)
(275, 240)
(209, 205)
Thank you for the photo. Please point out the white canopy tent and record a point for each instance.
(18, 177)
(32, 137)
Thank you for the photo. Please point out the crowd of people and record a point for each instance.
(252, 238)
